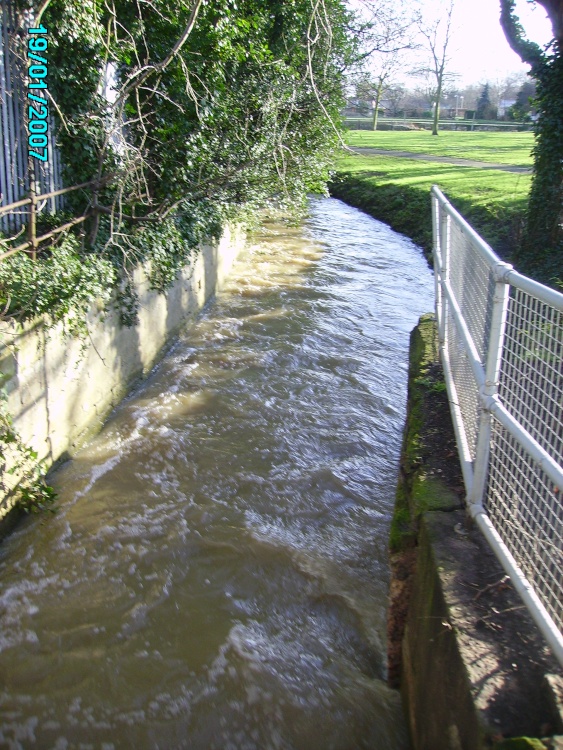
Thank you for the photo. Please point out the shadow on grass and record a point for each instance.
(407, 207)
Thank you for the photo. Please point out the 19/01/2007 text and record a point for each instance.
(38, 111)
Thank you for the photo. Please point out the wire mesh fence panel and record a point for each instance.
(531, 382)
(465, 384)
(528, 502)
(15, 163)
(472, 282)
(501, 341)
(525, 507)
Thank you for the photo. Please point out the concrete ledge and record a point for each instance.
(469, 660)
(433, 673)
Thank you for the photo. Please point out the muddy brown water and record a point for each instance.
(217, 574)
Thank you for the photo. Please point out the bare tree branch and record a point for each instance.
(437, 42)
(41, 10)
(142, 74)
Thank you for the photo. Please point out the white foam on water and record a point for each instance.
(65, 535)
(166, 706)
(131, 718)
(13, 733)
(97, 473)
(16, 605)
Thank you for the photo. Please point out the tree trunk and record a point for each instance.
(437, 110)
(543, 238)
(541, 252)
(377, 100)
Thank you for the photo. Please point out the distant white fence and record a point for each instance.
(14, 161)
(501, 342)
(399, 123)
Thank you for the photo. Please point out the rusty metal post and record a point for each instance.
(32, 229)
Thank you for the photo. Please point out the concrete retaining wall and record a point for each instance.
(60, 389)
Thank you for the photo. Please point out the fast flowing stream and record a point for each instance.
(216, 576)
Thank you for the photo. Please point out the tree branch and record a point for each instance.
(144, 73)
(42, 9)
(529, 52)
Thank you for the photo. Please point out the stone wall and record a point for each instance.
(61, 389)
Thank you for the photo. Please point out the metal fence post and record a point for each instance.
(32, 216)
(436, 256)
(445, 248)
(490, 388)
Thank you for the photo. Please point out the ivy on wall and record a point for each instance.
(216, 109)
(31, 493)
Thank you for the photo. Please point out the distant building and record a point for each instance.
(453, 112)
(358, 108)
(504, 105)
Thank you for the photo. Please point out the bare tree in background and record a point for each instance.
(373, 88)
(437, 37)
(384, 27)
(385, 30)
(389, 67)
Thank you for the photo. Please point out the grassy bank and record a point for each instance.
(397, 190)
(498, 148)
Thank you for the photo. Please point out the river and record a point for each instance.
(217, 573)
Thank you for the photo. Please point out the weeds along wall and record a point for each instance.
(60, 388)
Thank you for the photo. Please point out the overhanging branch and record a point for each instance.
(141, 75)
(529, 52)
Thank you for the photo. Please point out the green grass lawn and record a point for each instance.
(480, 186)
(397, 190)
(500, 148)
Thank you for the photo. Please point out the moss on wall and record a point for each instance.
(420, 486)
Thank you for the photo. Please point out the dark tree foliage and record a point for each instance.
(485, 110)
(524, 103)
(216, 108)
(542, 249)
(241, 112)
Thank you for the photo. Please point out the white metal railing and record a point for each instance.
(501, 343)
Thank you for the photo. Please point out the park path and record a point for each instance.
(368, 151)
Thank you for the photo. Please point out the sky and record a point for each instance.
(479, 49)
